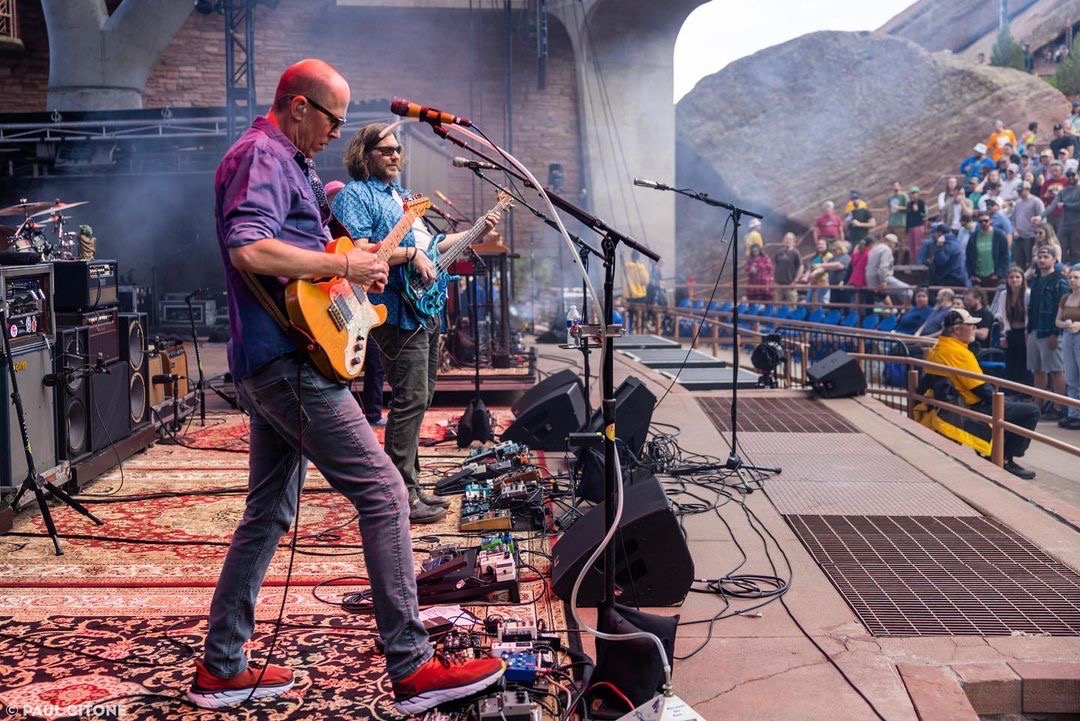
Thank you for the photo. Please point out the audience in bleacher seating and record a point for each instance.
(954, 209)
(946, 300)
(879, 270)
(1063, 140)
(856, 275)
(837, 268)
(975, 304)
(1068, 321)
(1044, 352)
(860, 221)
(897, 214)
(913, 318)
(1026, 208)
(1010, 187)
(999, 138)
(951, 186)
(759, 274)
(816, 275)
(1054, 182)
(945, 259)
(1030, 137)
(916, 224)
(754, 236)
(1010, 310)
(1068, 199)
(975, 165)
(787, 266)
(951, 349)
(998, 218)
(987, 253)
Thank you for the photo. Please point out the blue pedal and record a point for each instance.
(520, 667)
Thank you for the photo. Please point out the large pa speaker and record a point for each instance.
(837, 376)
(110, 418)
(547, 413)
(133, 351)
(32, 364)
(72, 393)
(653, 566)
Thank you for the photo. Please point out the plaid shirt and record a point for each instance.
(1046, 293)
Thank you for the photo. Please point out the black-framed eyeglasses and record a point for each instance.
(984, 220)
(387, 150)
(335, 121)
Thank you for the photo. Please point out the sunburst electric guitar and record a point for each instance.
(337, 314)
(429, 300)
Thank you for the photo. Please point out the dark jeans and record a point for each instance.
(1021, 251)
(371, 398)
(1020, 413)
(1070, 244)
(1016, 356)
(339, 441)
(411, 361)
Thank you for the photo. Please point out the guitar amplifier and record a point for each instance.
(84, 285)
(28, 292)
(104, 332)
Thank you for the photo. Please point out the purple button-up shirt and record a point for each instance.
(262, 191)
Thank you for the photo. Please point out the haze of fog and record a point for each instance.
(722, 31)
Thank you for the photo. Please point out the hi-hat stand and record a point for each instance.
(34, 481)
(734, 461)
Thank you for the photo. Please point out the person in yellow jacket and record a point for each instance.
(951, 349)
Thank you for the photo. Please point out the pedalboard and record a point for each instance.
(509, 706)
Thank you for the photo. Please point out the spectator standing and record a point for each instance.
(917, 314)
(1062, 141)
(854, 201)
(860, 254)
(1025, 209)
(635, 291)
(1010, 310)
(754, 236)
(816, 275)
(1069, 230)
(946, 260)
(1010, 187)
(1068, 321)
(916, 223)
(952, 350)
(838, 272)
(1054, 183)
(879, 270)
(976, 164)
(951, 185)
(954, 209)
(860, 221)
(828, 226)
(787, 266)
(759, 274)
(897, 222)
(1030, 136)
(998, 139)
(1044, 353)
(975, 304)
(987, 254)
(999, 220)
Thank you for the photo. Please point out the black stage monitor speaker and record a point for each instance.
(72, 394)
(633, 412)
(589, 466)
(110, 419)
(32, 364)
(653, 566)
(133, 350)
(548, 413)
(837, 376)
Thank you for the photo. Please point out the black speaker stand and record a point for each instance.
(200, 392)
(34, 481)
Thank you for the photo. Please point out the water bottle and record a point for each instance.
(573, 317)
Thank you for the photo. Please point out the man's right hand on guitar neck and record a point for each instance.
(365, 269)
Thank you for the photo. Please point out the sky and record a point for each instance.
(721, 31)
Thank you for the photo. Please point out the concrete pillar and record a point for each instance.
(99, 61)
(625, 66)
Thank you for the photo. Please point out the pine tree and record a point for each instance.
(1007, 52)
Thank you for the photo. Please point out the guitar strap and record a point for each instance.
(303, 342)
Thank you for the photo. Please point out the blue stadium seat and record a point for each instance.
(870, 322)
(888, 324)
(783, 312)
(832, 317)
(757, 309)
(726, 307)
(850, 320)
(817, 315)
(798, 314)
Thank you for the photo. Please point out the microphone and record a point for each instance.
(460, 162)
(100, 367)
(650, 184)
(434, 116)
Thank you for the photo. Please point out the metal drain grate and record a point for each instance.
(790, 415)
(938, 576)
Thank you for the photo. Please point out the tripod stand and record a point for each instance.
(475, 423)
(34, 481)
(200, 393)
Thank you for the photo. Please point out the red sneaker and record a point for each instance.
(441, 680)
(209, 691)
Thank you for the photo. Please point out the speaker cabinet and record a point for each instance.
(176, 364)
(653, 566)
(634, 404)
(159, 388)
(72, 394)
(110, 418)
(837, 376)
(547, 413)
(133, 351)
(32, 363)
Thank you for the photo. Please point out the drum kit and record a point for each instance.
(33, 236)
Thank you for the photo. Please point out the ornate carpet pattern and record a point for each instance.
(122, 612)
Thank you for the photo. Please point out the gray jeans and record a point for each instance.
(339, 441)
(411, 362)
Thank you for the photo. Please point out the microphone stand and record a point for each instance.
(734, 461)
(609, 243)
(198, 358)
(34, 481)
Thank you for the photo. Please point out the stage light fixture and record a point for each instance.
(767, 357)
(206, 7)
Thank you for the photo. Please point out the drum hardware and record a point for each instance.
(25, 208)
(30, 237)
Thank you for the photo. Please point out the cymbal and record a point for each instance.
(26, 208)
(58, 207)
